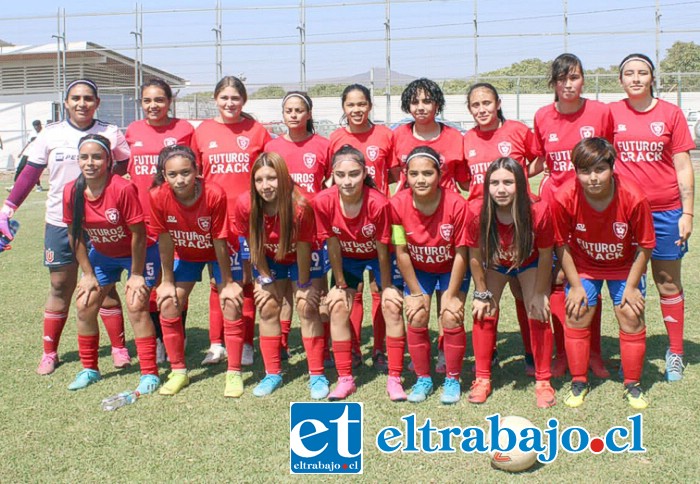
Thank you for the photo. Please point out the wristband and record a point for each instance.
(415, 295)
(483, 295)
(306, 285)
(341, 286)
(264, 280)
(8, 209)
(689, 214)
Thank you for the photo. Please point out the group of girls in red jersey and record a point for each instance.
(269, 218)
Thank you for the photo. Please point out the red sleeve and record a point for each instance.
(472, 232)
(530, 145)
(681, 140)
(306, 228)
(323, 222)
(157, 219)
(384, 224)
(461, 209)
(561, 222)
(544, 229)
(609, 127)
(395, 217)
(68, 204)
(539, 142)
(197, 152)
(219, 218)
(240, 218)
(461, 172)
(643, 224)
(130, 205)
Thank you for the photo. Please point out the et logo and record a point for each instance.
(325, 438)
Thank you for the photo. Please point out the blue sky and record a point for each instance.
(430, 38)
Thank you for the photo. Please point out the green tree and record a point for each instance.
(269, 92)
(681, 57)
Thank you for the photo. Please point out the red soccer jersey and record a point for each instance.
(377, 145)
(513, 139)
(603, 244)
(107, 219)
(556, 134)
(146, 142)
(307, 161)
(542, 229)
(645, 144)
(194, 228)
(449, 146)
(227, 152)
(358, 236)
(432, 239)
(305, 227)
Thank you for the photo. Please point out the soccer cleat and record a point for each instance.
(161, 355)
(48, 363)
(395, 389)
(267, 385)
(248, 355)
(545, 395)
(234, 384)
(148, 384)
(379, 362)
(529, 365)
(175, 383)
(440, 366)
(344, 388)
(598, 367)
(635, 396)
(356, 359)
(451, 391)
(421, 390)
(674, 366)
(559, 366)
(121, 357)
(480, 390)
(319, 387)
(85, 378)
(578, 392)
(215, 354)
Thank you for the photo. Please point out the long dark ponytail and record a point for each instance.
(78, 193)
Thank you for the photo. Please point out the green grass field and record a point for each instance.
(50, 434)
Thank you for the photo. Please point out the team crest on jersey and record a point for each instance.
(204, 223)
(243, 142)
(504, 148)
(657, 128)
(49, 255)
(169, 141)
(369, 230)
(112, 215)
(309, 160)
(372, 153)
(620, 229)
(446, 231)
(587, 132)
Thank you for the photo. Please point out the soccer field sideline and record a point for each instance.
(49, 433)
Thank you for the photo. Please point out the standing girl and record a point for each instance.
(355, 220)
(512, 238)
(146, 138)
(558, 127)
(653, 142)
(423, 100)
(279, 224)
(604, 232)
(376, 143)
(226, 147)
(189, 216)
(494, 137)
(56, 147)
(306, 155)
(106, 208)
(428, 225)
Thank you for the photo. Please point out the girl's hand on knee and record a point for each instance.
(136, 289)
(87, 285)
(262, 294)
(392, 296)
(231, 294)
(576, 302)
(633, 298)
(415, 303)
(338, 296)
(166, 291)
